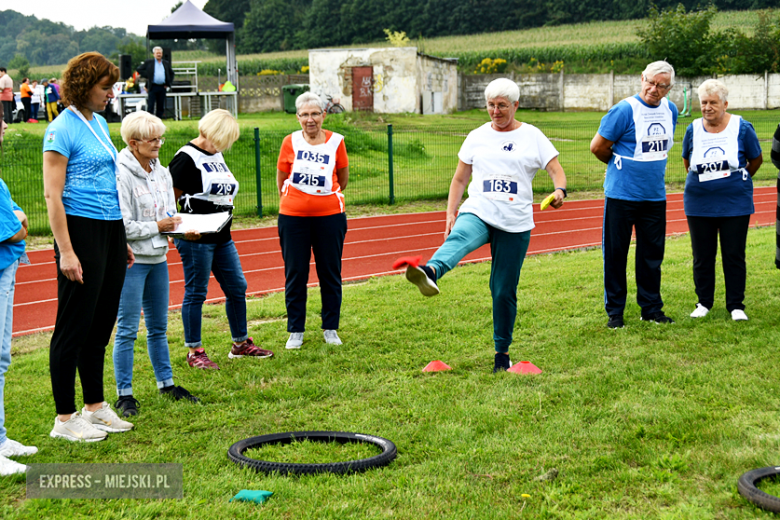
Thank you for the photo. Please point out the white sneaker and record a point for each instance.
(295, 341)
(106, 419)
(332, 337)
(738, 315)
(420, 278)
(700, 311)
(76, 429)
(12, 448)
(11, 467)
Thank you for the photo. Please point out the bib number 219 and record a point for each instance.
(222, 188)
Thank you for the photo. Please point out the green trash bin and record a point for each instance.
(291, 93)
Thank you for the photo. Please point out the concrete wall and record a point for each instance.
(395, 77)
(438, 84)
(404, 81)
(600, 91)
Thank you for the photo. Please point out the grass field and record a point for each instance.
(651, 422)
(424, 159)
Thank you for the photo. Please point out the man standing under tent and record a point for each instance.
(634, 139)
(159, 78)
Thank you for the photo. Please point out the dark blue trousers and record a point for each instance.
(155, 101)
(299, 237)
(621, 217)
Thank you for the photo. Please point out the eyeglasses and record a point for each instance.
(313, 115)
(160, 140)
(659, 86)
(500, 106)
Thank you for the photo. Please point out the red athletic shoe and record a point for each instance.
(249, 349)
(200, 360)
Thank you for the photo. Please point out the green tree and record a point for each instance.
(135, 48)
(683, 39)
(20, 63)
(274, 25)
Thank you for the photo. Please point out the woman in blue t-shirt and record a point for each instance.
(721, 153)
(79, 178)
(13, 231)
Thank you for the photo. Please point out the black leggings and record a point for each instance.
(704, 242)
(86, 313)
(26, 102)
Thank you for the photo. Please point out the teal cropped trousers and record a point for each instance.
(507, 251)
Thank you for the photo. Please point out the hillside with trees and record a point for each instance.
(278, 25)
(43, 42)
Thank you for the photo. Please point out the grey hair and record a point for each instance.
(714, 86)
(656, 68)
(502, 87)
(155, 49)
(309, 98)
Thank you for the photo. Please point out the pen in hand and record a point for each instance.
(170, 223)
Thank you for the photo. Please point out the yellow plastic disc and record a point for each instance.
(546, 202)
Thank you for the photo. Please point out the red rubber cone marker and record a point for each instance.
(525, 367)
(414, 261)
(437, 366)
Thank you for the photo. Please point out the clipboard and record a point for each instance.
(203, 223)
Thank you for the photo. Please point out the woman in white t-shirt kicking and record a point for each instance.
(502, 157)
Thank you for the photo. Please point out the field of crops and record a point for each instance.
(596, 41)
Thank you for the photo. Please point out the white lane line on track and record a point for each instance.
(768, 213)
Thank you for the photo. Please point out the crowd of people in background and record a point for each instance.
(34, 95)
(110, 213)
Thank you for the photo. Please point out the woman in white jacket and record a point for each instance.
(148, 209)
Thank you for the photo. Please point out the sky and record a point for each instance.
(133, 15)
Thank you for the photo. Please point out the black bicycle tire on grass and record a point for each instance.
(747, 488)
(336, 109)
(389, 452)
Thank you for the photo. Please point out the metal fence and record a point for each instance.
(386, 165)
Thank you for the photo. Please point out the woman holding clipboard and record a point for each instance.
(146, 195)
(203, 184)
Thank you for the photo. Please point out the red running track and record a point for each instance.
(371, 246)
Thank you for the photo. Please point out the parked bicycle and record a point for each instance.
(334, 106)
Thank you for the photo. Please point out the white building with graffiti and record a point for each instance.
(385, 80)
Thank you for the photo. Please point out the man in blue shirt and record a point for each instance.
(634, 140)
(159, 78)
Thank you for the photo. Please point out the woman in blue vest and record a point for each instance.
(721, 153)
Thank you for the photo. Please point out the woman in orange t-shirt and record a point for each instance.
(312, 171)
(26, 94)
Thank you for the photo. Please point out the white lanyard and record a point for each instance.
(84, 120)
